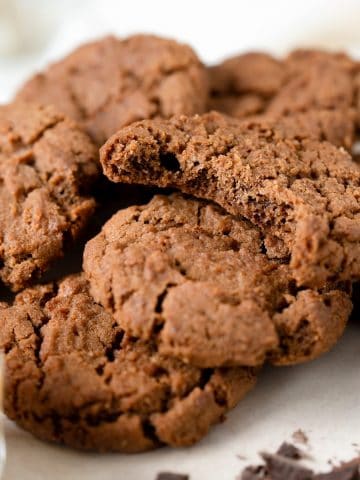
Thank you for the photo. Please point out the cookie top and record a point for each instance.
(316, 79)
(111, 82)
(46, 166)
(241, 86)
(303, 194)
(74, 377)
(305, 81)
(196, 279)
(250, 73)
(334, 126)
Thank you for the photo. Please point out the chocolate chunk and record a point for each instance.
(280, 468)
(347, 473)
(300, 436)
(289, 450)
(253, 473)
(172, 476)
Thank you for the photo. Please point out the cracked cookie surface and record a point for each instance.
(46, 166)
(304, 83)
(113, 82)
(303, 194)
(191, 276)
(74, 377)
(242, 85)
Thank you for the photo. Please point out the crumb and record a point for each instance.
(172, 476)
(300, 437)
(289, 450)
(241, 457)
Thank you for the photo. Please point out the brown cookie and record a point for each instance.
(306, 82)
(334, 126)
(254, 73)
(241, 85)
(74, 377)
(110, 83)
(316, 79)
(46, 165)
(195, 278)
(303, 194)
(238, 106)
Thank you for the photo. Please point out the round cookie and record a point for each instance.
(254, 73)
(74, 377)
(195, 278)
(241, 85)
(316, 80)
(46, 166)
(305, 84)
(303, 194)
(110, 83)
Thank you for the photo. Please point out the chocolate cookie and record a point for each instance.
(46, 165)
(334, 126)
(316, 79)
(253, 73)
(306, 82)
(110, 83)
(195, 278)
(74, 377)
(303, 194)
(240, 86)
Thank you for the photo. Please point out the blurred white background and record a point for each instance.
(33, 32)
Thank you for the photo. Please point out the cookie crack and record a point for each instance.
(277, 213)
(50, 126)
(115, 346)
(160, 321)
(76, 100)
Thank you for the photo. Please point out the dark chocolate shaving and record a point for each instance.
(172, 476)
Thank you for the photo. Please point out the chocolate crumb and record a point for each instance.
(300, 437)
(240, 456)
(289, 450)
(348, 473)
(172, 476)
(281, 468)
(354, 462)
(285, 465)
(253, 473)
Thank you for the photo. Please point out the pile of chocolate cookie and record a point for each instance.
(219, 227)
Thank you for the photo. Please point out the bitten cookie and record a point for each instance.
(307, 83)
(74, 377)
(303, 194)
(46, 165)
(110, 83)
(191, 276)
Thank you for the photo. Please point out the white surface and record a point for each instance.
(322, 398)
